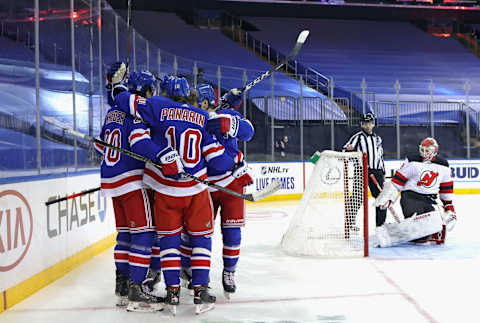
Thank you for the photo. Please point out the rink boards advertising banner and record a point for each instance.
(293, 175)
(34, 237)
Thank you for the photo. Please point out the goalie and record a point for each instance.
(419, 179)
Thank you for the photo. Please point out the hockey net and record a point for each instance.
(332, 218)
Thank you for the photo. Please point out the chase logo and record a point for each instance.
(102, 210)
(16, 227)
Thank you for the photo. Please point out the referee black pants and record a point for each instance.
(380, 215)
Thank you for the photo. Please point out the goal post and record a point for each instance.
(332, 217)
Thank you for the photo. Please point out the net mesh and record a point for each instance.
(329, 221)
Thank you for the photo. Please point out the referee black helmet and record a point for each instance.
(367, 117)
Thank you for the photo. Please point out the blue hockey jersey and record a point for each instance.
(183, 127)
(114, 91)
(245, 133)
(121, 173)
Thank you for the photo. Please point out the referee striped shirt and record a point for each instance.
(369, 144)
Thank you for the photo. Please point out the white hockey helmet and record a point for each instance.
(428, 149)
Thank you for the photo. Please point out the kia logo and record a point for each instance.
(16, 226)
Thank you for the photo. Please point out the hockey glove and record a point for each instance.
(242, 173)
(233, 98)
(387, 197)
(223, 124)
(172, 166)
(449, 219)
(117, 73)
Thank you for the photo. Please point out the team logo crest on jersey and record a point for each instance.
(208, 224)
(132, 224)
(428, 178)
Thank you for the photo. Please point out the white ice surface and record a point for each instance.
(408, 283)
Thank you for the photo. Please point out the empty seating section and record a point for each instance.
(382, 52)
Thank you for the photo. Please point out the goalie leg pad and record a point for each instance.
(419, 225)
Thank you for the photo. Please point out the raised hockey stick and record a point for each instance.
(68, 197)
(302, 37)
(129, 30)
(253, 197)
(395, 216)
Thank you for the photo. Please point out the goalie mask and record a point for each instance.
(428, 149)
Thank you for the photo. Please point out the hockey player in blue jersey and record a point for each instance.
(122, 179)
(181, 204)
(228, 126)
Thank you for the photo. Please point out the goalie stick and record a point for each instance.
(252, 197)
(395, 216)
(302, 37)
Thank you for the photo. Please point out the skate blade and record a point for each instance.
(172, 309)
(227, 295)
(202, 308)
(144, 307)
(122, 301)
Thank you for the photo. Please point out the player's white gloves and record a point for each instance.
(387, 197)
(449, 219)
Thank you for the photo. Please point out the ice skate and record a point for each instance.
(150, 284)
(173, 299)
(121, 289)
(228, 282)
(202, 299)
(139, 301)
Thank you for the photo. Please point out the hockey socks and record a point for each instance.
(200, 262)
(121, 251)
(170, 259)
(231, 248)
(139, 255)
(186, 251)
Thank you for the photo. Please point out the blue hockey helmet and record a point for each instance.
(176, 86)
(205, 91)
(139, 82)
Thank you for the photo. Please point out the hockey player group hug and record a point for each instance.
(164, 219)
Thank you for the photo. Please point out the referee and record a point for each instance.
(366, 141)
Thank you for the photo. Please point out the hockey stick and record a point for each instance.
(129, 30)
(390, 208)
(302, 37)
(253, 197)
(72, 196)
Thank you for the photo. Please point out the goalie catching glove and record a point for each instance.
(387, 197)
(172, 166)
(223, 124)
(116, 74)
